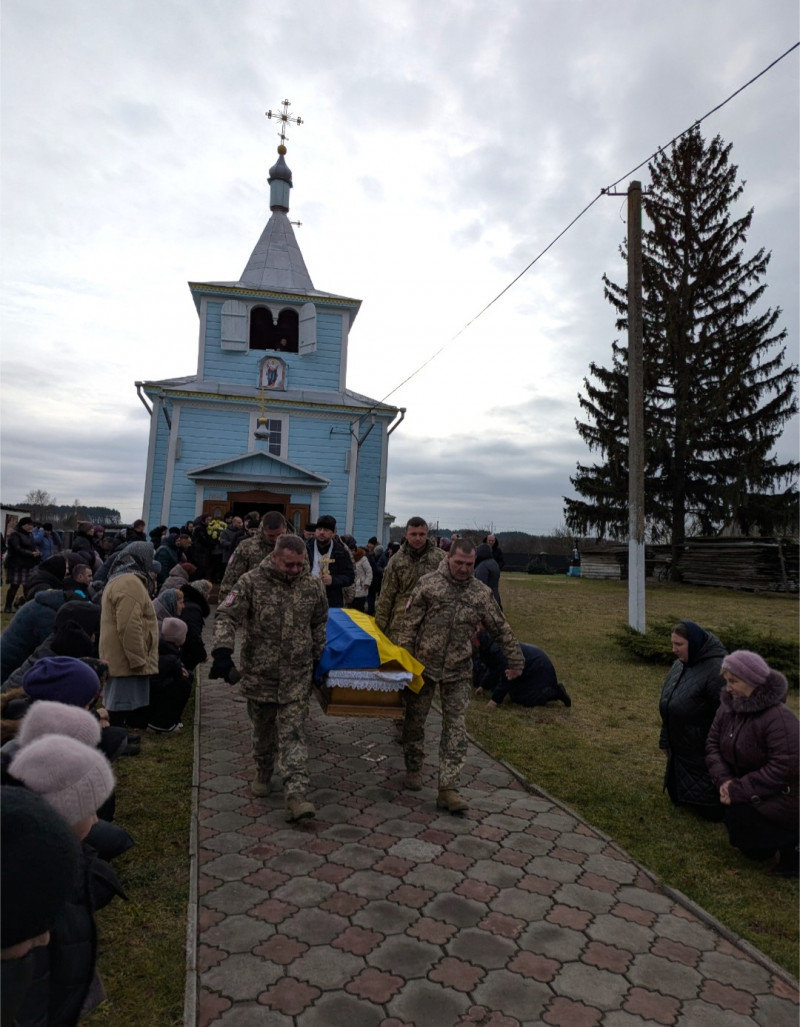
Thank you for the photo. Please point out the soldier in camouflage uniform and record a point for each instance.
(416, 557)
(250, 552)
(283, 611)
(443, 614)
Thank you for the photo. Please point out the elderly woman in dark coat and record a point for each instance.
(689, 700)
(752, 756)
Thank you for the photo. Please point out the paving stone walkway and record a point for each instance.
(384, 912)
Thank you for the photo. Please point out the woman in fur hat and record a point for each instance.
(752, 754)
(74, 779)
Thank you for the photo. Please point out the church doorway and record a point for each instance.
(261, 501)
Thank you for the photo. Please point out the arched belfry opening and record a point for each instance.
(287, 333)
(266, 334)
(260, 328)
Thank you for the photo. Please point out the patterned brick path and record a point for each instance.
(384, 912)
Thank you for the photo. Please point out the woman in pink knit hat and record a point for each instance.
(752, 756)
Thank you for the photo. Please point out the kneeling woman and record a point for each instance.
(752, 753)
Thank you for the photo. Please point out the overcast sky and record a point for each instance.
(443, 146)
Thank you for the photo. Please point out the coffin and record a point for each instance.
(361, 673)
(363, 693)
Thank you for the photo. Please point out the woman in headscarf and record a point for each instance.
(751, 753)
(168, 604)
(129, 636)
(689, 701)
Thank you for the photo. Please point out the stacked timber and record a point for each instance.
(750, 564)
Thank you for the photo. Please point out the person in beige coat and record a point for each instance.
(129, 636)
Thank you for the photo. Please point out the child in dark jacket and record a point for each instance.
(171, 687)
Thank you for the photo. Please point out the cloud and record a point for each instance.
(444, 146)
(104, 467)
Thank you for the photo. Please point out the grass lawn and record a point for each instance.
(601, 756)
(142, 942)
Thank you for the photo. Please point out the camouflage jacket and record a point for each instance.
(400, 579)
(284, 622)
(441, 618)
(246, 557)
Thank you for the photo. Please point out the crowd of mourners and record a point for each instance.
(102, 647)
(106, 638)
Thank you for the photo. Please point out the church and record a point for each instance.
(267, 421)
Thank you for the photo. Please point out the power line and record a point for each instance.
(600, 195)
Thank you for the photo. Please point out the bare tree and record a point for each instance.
(40, 504)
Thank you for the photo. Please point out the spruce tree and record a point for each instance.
(717, 392)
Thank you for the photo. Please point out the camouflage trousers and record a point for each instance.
(279, 742)
(454, 697)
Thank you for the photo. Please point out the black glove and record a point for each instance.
(223, 665)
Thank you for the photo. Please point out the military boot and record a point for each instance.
(449, 799)
(261, 785)
(413, 780)
(299, 808)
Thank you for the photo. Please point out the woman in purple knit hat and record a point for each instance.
(752, 756)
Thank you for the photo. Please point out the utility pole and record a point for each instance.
(636, 555)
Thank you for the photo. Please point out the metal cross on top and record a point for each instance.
(285, 119)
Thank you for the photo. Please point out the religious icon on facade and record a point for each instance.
(273, 374)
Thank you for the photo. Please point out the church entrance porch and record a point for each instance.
(261, 501)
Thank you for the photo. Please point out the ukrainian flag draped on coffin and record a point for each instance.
(355, 642)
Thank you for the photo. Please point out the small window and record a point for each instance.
(274, 429)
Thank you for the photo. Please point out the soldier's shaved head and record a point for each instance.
(291, 542)
(464, 545)
(272, 520)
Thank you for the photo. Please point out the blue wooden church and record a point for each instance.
(267, 422)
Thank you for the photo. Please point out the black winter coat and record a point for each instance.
(168, 556)
(48, 574)
(64, 969)
(753, 743)
(202, 547)
(537, 685)
(487, 570)
(82, 544)
(689, 700)
(195, 610)
(22, 551)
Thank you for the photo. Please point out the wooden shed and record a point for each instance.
(604, 562)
